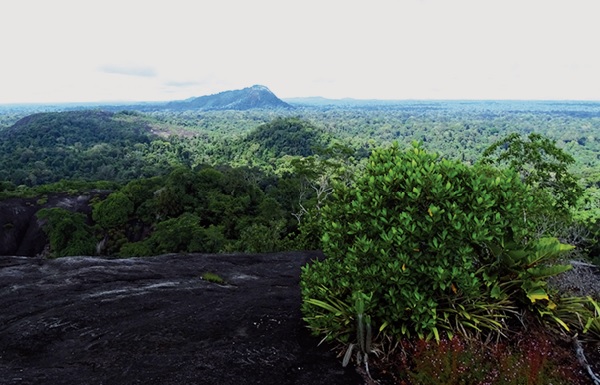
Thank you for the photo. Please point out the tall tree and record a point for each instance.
(541, 164)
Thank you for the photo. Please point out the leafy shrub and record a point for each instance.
(541, 164)
(114, 211)
(411, 236)
(181, 234)
(259, 238)
(213, 240)
(67, 232)
(587, 215)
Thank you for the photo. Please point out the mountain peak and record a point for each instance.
(256, 96)
(258, 87)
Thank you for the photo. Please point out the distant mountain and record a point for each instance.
(256, 96)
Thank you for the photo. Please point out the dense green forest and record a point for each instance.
(265, 172)
(457, 130)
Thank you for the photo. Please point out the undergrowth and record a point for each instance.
(533, 359)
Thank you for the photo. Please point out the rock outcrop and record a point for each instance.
(84, 320)
(21, 231)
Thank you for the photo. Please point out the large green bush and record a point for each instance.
(67, 231)
(114, 211)
(408, 242)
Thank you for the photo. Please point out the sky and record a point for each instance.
(128, 50)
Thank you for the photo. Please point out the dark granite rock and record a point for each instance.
(16, 218)
(83, 320)
(21, 231)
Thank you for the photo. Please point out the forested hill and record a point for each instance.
(90, 145)
(118, 147)
(67, 128)
(281, 137)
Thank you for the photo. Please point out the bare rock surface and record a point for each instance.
(84, 320)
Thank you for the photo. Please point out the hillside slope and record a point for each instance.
(256, 96)
(89, 145)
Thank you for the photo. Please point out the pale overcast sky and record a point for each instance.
(128, 50)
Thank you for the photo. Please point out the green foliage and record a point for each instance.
(412, 235)
(142, 193)
(587, 216)
(284, 136)
(181, 234)
(333, 317)
(294, 157)
(231, 212)
(67, 232)
(525, 268)
(107, 150)
(541, 165)
(259, 238)
(71, 187)
(579, 315)
(588, 212)
(212, 277)
(364, 335)
(519, 274)
(6, 186)
(114, 211)
(318, 175)
(213, 239)
(136, 249)
(310, 229)
(88, 145)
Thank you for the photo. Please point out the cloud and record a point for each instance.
(182, 84)
(142, 71)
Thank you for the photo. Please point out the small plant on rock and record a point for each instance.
(212, 277)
